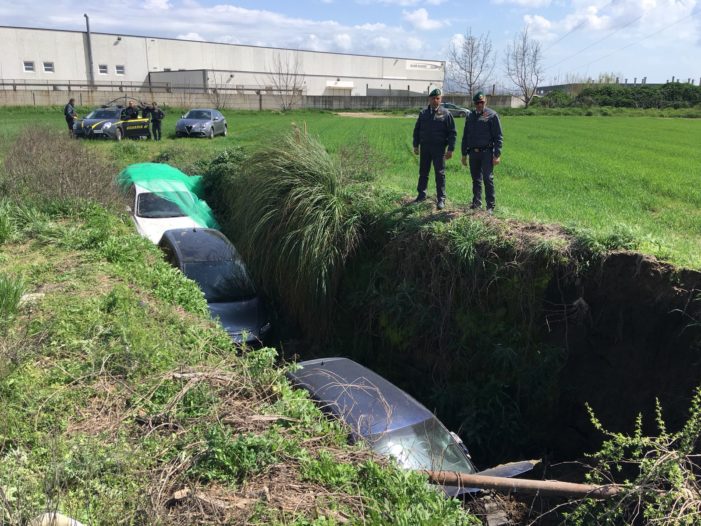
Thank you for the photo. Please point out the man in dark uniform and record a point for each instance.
(433, 133)
(146, 114)
(131, 112)
(157, 116)
(69, 113)
(481, 142)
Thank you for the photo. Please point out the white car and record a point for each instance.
(155, 212)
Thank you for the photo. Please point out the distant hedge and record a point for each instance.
(670, 95)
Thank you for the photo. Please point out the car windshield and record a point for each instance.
(198, 114)
(102, 114)
(221, 281)
(425, 445)
(163, 204)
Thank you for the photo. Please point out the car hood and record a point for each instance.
(240, 316)
(192, 122)
(89, 123)
(153, 228)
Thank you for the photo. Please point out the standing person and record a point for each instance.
(157, 116)
(70, 115)
(131, 112)
(146, 112)
(434, 131)
(481, 142)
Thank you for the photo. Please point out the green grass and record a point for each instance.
(604, 174)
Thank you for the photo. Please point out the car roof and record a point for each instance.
(363, 399)
(199, 244)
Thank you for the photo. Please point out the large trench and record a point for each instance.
(626, 332)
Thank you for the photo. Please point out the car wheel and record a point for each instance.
(118, 134)
(226, 130)
(211, 132)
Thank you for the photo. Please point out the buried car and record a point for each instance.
(162, 197)
(393, 423)
(208, 258)
(110, 122)
(155, 212)
(201, 123)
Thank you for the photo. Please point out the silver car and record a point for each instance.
(205, 122)
(455, 111)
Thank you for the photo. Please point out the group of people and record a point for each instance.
(434, 141)
(149, 111)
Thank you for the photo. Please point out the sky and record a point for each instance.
(580, 39)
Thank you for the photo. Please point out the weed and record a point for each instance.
(11, 290)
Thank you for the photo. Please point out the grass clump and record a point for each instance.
(11, 290)
(291, 202)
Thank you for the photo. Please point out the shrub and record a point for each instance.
(291, 217)
(47, 166)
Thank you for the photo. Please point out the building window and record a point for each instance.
(28, 66)
(119, 70)
(102, 68)
(166, 69)
(48, 67)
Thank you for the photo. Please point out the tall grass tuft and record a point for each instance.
(11, 290)
(295, 224)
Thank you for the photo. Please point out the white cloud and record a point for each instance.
(414, 44)
(343, 41)
(524, 3)
(538, 27)
(372, 27)
(191, 36)
(382, 43)
(157, 5)
(420, 19)
(402, 3)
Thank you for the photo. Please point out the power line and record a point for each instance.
(680, 19)
(595, 43)
(575, 28)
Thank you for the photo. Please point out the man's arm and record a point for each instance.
(417, 134)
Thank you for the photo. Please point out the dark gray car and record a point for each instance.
(208, 258)
(203, 122)
(393, 423)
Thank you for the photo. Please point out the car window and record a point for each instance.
(163, 204)
(101, 114)
(425, 445)
(221, 281)
(198, 114)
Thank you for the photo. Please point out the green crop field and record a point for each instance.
(638, 175)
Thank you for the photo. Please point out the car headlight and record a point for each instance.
(107, 126)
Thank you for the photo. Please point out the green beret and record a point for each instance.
(436, 92)
(479, 97)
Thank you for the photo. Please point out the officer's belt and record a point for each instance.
(482, 148)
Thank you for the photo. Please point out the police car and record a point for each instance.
(109, 122)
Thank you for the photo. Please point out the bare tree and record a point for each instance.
(286, 78)
(471, 62)
(524, 65)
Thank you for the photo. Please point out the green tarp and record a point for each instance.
(169, 183)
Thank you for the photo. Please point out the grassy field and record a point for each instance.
(637, 176)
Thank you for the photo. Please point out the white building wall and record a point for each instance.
(236, 64)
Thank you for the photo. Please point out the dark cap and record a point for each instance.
(436, 92)
(479, 97)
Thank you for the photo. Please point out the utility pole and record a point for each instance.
(91, 71)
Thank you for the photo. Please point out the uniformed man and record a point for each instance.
(433, 133)
(481, 142)
(157, 116)
(131, 112)
(146, 114)
(70, 115)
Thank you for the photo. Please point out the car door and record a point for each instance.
(219, 121)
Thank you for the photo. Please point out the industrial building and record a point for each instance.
(53, 59)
